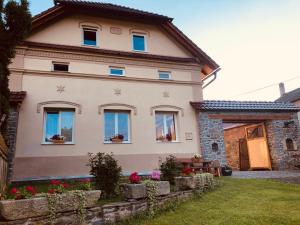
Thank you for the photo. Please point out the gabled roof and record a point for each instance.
(65, 7)
(291, 96)
(244, 106)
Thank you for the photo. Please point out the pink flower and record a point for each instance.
(155, 175)
(14, 191)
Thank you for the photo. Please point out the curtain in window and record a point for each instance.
(67, 125)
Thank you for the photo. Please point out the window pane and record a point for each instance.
(109, 123)
(89, 37)
(170, 123)
(159, 124)
(255, 132)
(164, 76)
(138, 43)
(67, 125)
(60, 67)
(51, 125)
(116, 71)
(123, 125)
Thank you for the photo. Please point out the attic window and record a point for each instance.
(89, 37)
(138, 43)
(63, 67)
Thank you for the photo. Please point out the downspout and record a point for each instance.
(214, 74)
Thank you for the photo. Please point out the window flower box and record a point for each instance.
(138, 191)
(38, 206)
(117, 138)
(58, 139)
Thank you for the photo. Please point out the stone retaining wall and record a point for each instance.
(108, 213)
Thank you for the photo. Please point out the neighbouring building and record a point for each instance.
(105, 78)
(292, 96)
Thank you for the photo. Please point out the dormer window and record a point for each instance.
(138, 43)
(89, 37)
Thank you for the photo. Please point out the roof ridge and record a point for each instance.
(117, 6)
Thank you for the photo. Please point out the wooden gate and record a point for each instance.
(259, 157)
(244, 157)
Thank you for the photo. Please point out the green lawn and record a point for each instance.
(237, 201)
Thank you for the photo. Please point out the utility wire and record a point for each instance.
(259, 89)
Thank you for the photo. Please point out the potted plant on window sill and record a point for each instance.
(58, 139)
(117, 138)
(167, 138)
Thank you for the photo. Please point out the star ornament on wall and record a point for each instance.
(60, 88)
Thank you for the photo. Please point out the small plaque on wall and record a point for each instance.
(188, 136)
(116, 30)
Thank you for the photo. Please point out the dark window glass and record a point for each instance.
(289, 144)
(215, 147)
(90, 37)
(60, 67)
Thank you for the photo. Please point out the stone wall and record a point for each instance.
(277, 133)
(109, 213)
(12, 124)
(212, 134)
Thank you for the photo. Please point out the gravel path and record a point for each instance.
(266, 174)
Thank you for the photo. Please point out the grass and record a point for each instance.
(236, 202)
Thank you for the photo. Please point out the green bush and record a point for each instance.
(106, 171)
(170, 169)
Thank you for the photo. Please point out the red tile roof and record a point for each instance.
(17, 96)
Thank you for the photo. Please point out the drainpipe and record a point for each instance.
(214, 74)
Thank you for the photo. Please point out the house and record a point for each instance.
(97, 77)
(292, 96)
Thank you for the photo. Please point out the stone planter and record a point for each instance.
(34, 207)
(185, 183)
(138, 191)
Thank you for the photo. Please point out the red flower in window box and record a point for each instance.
(134, 178)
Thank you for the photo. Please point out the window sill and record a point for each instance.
(117, 143)
(167, 142)
(46, 143)
(139, 51)
(90, 46)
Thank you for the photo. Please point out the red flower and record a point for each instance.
(134, 178)
(85, 180)
(31, 190)
(14, 191)
(187, 171)
(51, 191)
(55, 182)
(65, 185)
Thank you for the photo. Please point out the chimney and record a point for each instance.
(281, 89)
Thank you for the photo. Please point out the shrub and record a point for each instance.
(106, 171)
(170, 169)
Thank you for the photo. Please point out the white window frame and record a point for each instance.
(145, 42)
(116, 68)
(165, 72)
(44, 142)
(61, 63)
(165, 125)
(91, 29)
(116, 125)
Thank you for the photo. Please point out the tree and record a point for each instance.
(15, 24)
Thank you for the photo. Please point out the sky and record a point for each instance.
(256, 42)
